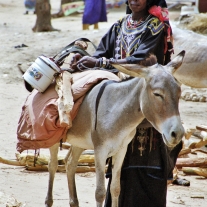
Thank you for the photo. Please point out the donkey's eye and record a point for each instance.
(158, 95)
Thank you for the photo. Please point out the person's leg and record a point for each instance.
(96, 26)
(85, 26)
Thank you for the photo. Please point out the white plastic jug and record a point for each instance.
(41, 73)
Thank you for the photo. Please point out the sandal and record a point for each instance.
(180, 181)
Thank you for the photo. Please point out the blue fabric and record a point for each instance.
(94, 11)
(30, 4)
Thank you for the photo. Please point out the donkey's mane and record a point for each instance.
(148, 61)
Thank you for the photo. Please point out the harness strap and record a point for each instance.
(75, 49)
(72, 48)
(72, 43)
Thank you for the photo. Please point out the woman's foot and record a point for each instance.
(180, 181)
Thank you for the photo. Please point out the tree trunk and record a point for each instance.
(60, 12)
(43, 21)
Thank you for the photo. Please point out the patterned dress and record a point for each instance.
(133, 40)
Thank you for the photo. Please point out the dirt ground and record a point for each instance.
(29, 188)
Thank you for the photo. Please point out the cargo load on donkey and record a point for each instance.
(54, 102)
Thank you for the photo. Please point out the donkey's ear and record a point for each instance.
(140, 69)
(174, 64)
(133, 70)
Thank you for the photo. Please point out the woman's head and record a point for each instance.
(147, 3)
(137, 5)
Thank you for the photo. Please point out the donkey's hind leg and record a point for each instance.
(71, 161)
(52, 168)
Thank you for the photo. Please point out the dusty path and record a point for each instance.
(30, 188)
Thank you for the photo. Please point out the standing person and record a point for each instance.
(148, 163)
(94, 12)
(30, 6)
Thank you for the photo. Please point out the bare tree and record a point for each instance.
(43, 21)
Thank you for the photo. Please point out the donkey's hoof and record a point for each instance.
(74, 203)
(48, 203)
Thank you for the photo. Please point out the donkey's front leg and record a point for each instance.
(117, 161)
(100, 163)
(52, 168)
(71, 161)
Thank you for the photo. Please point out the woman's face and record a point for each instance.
(137, 5)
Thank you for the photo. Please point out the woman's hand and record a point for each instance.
(81, 63)
(75, 59)
(86, 62)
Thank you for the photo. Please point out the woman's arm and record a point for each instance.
(107, 43)
(105, 49)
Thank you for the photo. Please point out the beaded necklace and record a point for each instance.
(134, 23)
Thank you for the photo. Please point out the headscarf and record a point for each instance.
(159, 9)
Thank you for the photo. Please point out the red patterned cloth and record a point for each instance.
(163, 15)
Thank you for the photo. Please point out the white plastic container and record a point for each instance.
(41, 73)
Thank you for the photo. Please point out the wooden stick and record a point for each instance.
(198, 144)
(83, 169)
(28, 160)
(202, 128)
(11, 162)
(188, 133)
(195, 171)
(198, 150)
(184, 151)
(86, 159)
(200, 134)
(61, 168)
(65, 146)
(191, 162)
(42, 168)
(201, 144)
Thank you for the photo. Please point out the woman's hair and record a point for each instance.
(150, 3)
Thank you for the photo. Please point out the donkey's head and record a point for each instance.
(159, 97)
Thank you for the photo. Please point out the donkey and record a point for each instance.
(153, 94)
(195, 63)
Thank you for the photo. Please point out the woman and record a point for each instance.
(29, 5)
(150, 36)
(148, 163)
